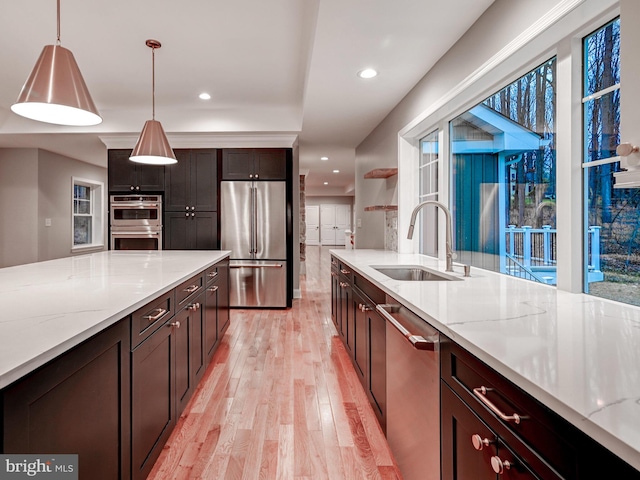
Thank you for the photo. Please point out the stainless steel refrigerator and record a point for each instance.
(254, 227)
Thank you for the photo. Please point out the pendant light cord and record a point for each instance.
(58, 11)
(153, 83)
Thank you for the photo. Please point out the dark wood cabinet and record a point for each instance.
(362, 330)
(216, 312)
(540, 445)
(344, 308)
(190, 361)
(153, 412)
(79, 403)
(472, 451)
(127, 176)
(191, 201)
(115, 398)
(191, 184)
(254, 164)
(377, 364)
(190, 231)
(360, 308)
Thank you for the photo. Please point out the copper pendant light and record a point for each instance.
(152, 146)
(55, 91)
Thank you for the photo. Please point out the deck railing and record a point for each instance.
(536, 247)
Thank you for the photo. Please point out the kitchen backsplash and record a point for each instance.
(391, 230)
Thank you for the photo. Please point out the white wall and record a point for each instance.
(496, 28)
(37, 185)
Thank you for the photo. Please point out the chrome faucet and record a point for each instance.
(449, 235)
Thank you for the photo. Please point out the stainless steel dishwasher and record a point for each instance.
(413, 392)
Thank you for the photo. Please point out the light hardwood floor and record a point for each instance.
(280, 400)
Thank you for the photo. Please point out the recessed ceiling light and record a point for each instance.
(326, 183)
(204, 96)
(367, 73)
(324, 158)
(336, 171)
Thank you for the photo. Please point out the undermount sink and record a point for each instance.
(414, 273)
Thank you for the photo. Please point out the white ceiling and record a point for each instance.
(275, 69)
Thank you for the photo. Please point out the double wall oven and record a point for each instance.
(136, 222)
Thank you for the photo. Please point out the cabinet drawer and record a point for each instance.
(213, 273)
(149, 318)
(376, 295)
(193, 286)
(539, 428)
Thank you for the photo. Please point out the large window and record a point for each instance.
(428, 173)
(87, 214)
(612, 233)
(504, 179)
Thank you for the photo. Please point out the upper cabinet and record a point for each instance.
(254, 164)
(191, 184)
(128, 176)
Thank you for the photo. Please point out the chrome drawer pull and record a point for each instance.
(213, 274)
(213, 289)
(344, 271)
(174, 324)
(191, 289)
(193, 306)
(153, 318)
(481, 392)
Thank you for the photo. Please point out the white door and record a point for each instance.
(312, 218)
(328, 224)
(343, 222)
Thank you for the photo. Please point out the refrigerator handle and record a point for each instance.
(252, 227)
(254, 240)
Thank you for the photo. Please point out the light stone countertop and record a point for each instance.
(577, 354)
(50, 307)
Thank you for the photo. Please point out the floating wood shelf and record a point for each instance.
(378, 208)
(381, 173)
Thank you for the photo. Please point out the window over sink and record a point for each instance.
(503, 164)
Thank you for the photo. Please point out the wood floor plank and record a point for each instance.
(280, 400)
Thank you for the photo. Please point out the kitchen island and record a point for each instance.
(576, 354)
(99, 353)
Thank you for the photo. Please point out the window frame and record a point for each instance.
(96, 190)
(534, 46)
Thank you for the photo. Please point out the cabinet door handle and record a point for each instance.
(174, 324)
(334, 274)
(344, 271)
(191, 289)
(481, 393)
(344, 284)
(213, 274)
(213, 289)
(193, 307)
(131, 188)
(364, 308)
(499, 465)
(159, 313)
